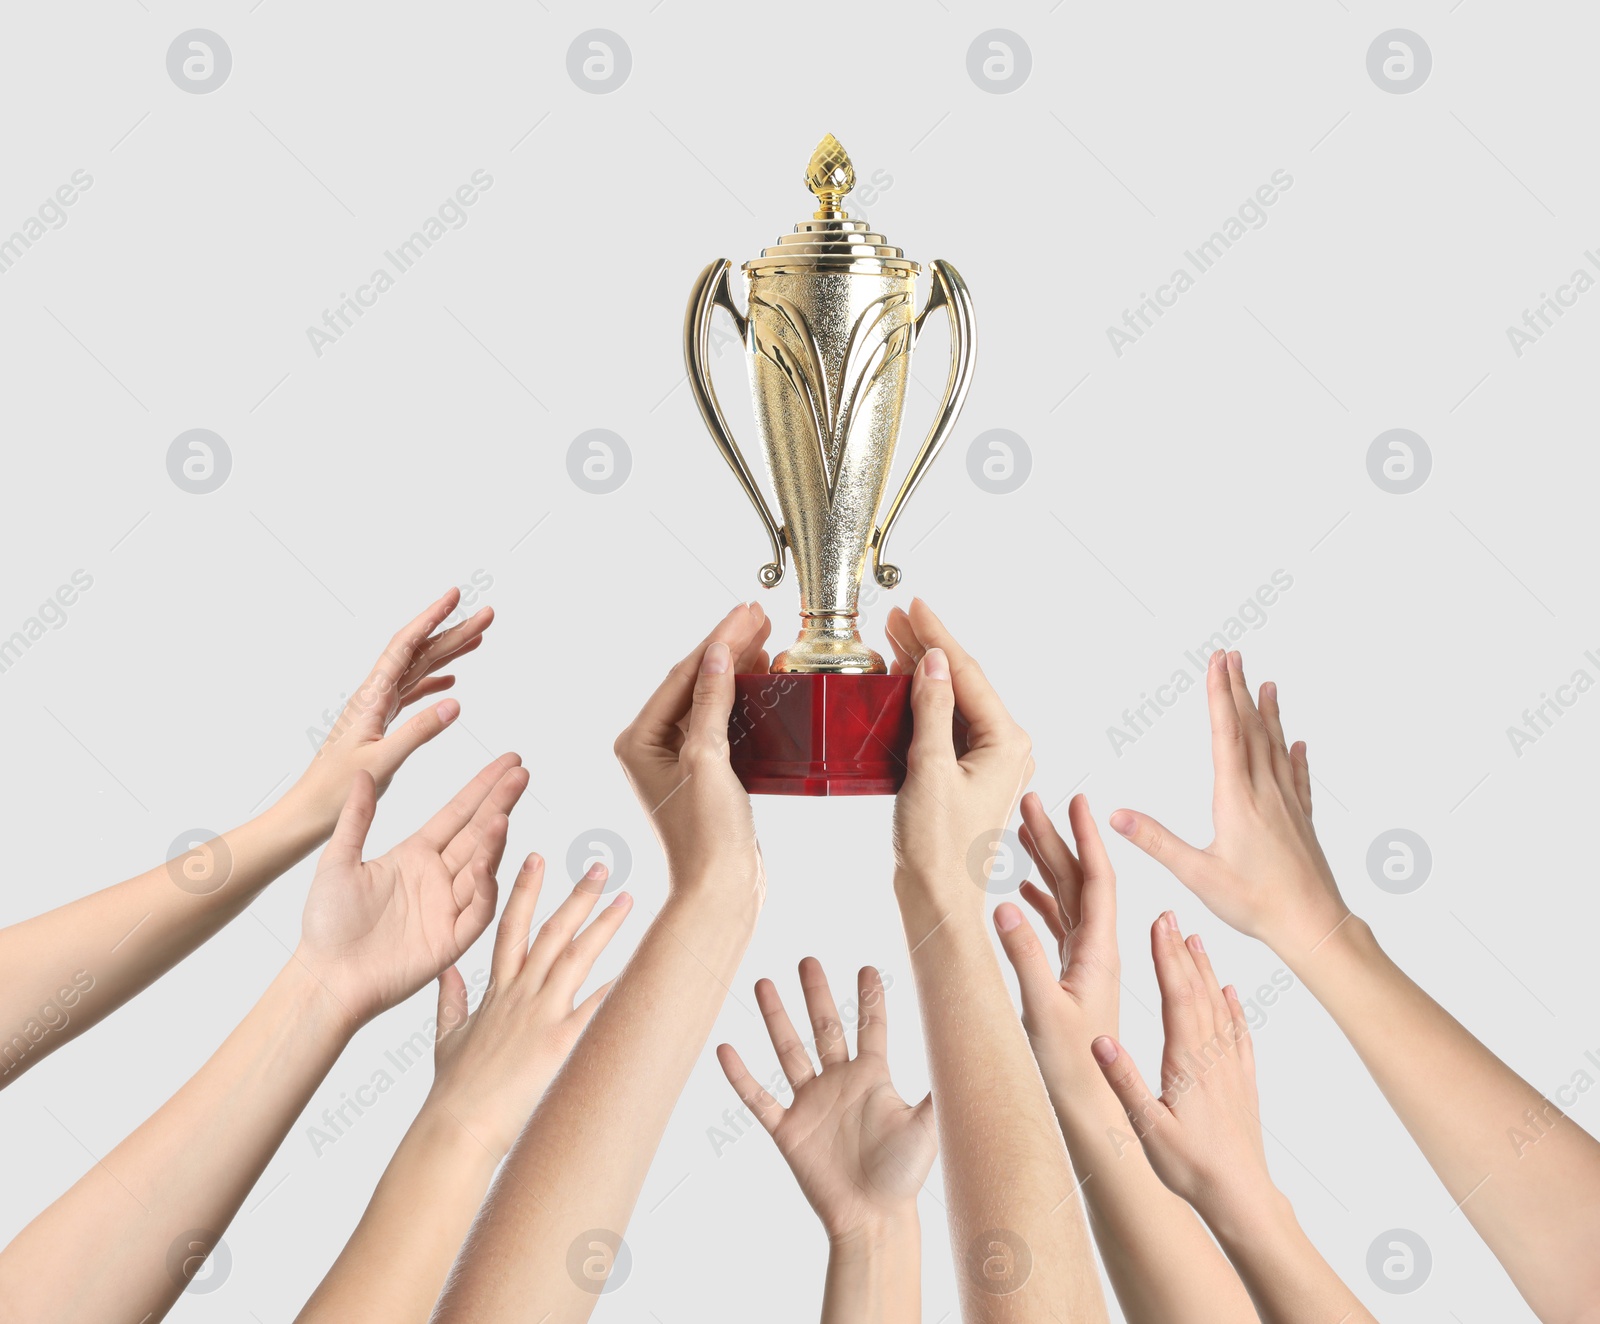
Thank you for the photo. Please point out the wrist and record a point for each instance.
(446, 1128)
(1343, 940)
(726, 897)
(302, 817)
(881, 1231)
(1254, 1215)
(312, 1007)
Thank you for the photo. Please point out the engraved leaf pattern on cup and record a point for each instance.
(868, 353)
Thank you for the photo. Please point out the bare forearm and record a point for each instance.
(1013, 1209)
(875, 1277)
(1162, 1262)
(1527, 1176)
(1287, 1277)
(188, 1167)
(394, 1266)
(583, 1156)
(71, 967)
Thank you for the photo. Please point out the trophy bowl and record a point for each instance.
(828, 334)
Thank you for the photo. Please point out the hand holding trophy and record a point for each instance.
(828, 341)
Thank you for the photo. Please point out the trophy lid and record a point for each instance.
(830, 240)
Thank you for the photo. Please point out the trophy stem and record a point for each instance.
(829, 643)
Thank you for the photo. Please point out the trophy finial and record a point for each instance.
(830, 176)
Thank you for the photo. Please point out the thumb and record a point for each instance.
(452, 1004)
(923, 1112)
(1189, 865)
(1027, 956)
(402, 744)
(350, 832)
(933, 706)
(713, 698)
(1143, 1109)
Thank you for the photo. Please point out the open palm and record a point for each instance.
(859, 1151)
(376, 931)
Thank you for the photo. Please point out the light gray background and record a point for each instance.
(1167, 484)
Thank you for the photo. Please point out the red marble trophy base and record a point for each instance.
(820, 735)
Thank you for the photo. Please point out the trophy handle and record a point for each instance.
(950, 293)
(710, 293)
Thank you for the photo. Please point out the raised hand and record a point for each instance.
(858, 1150)
(404, 674)
(675, 754)
(1005, 1165)
(1203, 1131)
(1265, 873)
(1064, 1013)
(1165, 1268)
(949, 803)
(612, 1099)
(1202, 1135)
(491, 1067)
(376, 931)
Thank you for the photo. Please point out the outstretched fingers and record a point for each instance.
(500, 801)
(872, 1019)
(768, 1111)
(439, 830)
(792, 1055)
(577, 958)
(826, 1027)
(511, 937)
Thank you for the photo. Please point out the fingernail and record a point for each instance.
(1105, 1050)
(448, 711)
(1122, 820)
(622, 899)
(715, 662)
(1231, 993)
(1007, 917)
(1195, 944)
(1170, 921)
(935, 665)
(596, 870)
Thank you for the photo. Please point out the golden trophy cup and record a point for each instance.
(828, 339)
